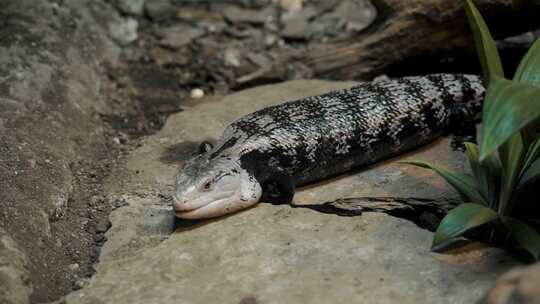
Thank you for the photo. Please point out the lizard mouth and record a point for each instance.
(212, 209)
(216, 208)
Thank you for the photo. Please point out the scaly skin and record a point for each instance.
(266, 154)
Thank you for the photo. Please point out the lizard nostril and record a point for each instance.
(177, 202)
(180, 205)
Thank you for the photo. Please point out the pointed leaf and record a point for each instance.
(461, 219)
(528, 71)
(486, 174)
(511, 154)
(527, 237)
(512, 106)
(464, 184)
(485, 45)
(477, 170)
(532, 171)
(532, 155)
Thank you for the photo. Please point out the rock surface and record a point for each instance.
(235, 14)
(178, 36)
(50, 94)
(55, 148)
(132, 7)
(277, 254)
(159, 9)
(14, 275)
(519, 286)
(123, 30)
(331, 39)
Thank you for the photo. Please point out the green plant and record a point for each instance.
(509, 154)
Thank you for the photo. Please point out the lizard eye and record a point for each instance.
(207, 186)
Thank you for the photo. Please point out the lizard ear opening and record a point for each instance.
(278, 188)
(205, 147)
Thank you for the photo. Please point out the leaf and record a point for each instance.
(513, 105)
(528, 71)
(526, 236)
(532, 155)
(485, 45)
(532, 171)
(511, 154)
(464, 184)
(486, 174)
(461, 219)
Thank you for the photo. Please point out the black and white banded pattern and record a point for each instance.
(323, 135)
(268, 153)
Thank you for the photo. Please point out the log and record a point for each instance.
(404, 30)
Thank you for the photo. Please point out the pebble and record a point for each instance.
(196, 93)
(73, 267)
(291, 5)
(103, 225)
(382, 77)
(95, 200)
(100, 238)
(295, 23)
(231, 57)
(130, 7)
(178, 36)
(329, 25)
(357, 15)
(159, 10)
(82, 283)
(270, 40)
(117, 203)
(32, 163)
(261, 60)
(123, 30)
(295, 29)
(235, 14)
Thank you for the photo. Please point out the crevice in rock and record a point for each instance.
(424, 212)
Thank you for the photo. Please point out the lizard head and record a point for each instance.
(209, 187)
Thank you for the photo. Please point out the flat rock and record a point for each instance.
(123, 30)
(295, 23)
(328, 20)
(159, 10)
(179, 35)
(236, 14)
(291, 5)
(132, 7)
(519, 286)
(358, 15)
(284, 255)
(278, 254)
